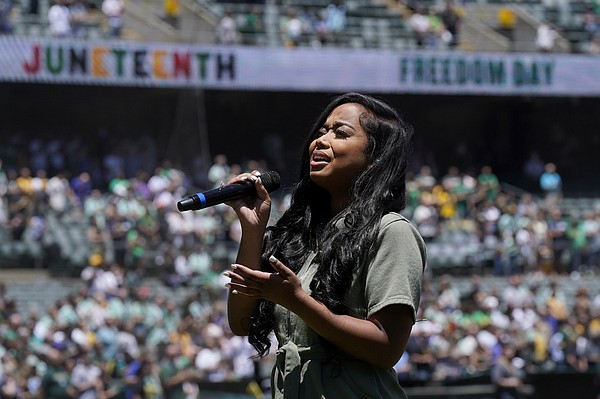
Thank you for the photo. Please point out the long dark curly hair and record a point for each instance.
(307, 227)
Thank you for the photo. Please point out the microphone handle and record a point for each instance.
(230, 192)
(219, 195)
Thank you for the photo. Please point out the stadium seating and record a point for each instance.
(377, 25)
(370, 24)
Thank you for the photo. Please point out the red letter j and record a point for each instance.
(34, 65)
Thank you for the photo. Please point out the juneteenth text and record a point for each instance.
(116, 62)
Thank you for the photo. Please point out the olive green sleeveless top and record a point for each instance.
(391, 275)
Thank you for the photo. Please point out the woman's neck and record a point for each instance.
(338, 204)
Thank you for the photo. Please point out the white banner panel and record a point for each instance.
(120, 63)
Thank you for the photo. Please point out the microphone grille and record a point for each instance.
(270, 180)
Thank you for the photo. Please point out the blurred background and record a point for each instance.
(111, 111)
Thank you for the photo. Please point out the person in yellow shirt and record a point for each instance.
(172, 10)
(24, 181)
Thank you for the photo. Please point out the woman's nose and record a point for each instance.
(322, 141)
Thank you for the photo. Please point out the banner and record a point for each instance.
(120, 63)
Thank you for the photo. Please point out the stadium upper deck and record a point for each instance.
(487, 25)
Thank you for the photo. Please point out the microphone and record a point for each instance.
(229, 192)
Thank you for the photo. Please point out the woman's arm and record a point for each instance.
(380, 340)
(240, 308)
(253, 214)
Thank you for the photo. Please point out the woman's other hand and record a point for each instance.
(282, 286)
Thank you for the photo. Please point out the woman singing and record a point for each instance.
(338, 277)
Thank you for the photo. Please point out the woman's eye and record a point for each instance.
(337, 132)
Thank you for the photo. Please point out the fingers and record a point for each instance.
(261, 191)
(248, 281)
(280, 268)
(242, 275)
(249, 176)
(243, 272)
(254, 177)
(239, 289)
(245, 281)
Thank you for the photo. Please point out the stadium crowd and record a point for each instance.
(116, 338)
(432, 25)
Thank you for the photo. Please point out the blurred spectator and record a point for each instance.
(39, 183)
(79, 17)
(419, 24)
(209, 359)
(591, 24)
(119, 184)
(336, 16)
(251, 26)
(82, 186)
(488, 183)
(507, 21)
(448, 299)
(227, 30)
(24, 181)
(594, 45)
(452, 19)
(437, 31)
(551, 184)
(335, 19)
(172, 11)
(488, 215)
(309, 21)
(6, 13)
(578, 239)
(591, 227)
(517, 295)
(58, 191)
(545, 37)
(3, 179)
(132, 376)
(56, 382)
(426, 217)
(509, 225)
(113, 11)
(219, 170)
(86, 377)
(59, 19)
(558, 226)
(506, 375)
(457, 186)
(451, 180)
(291, 28)
(425, 179)
(150, 375)
(177, 373)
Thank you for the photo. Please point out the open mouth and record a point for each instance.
(319, 158)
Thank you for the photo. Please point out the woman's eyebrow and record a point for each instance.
(336, 124)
